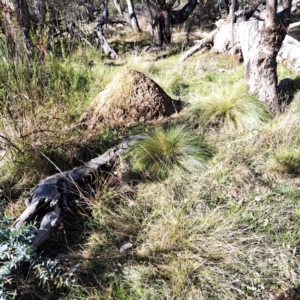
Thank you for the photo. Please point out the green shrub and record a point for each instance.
(172, 149)
(16, 249)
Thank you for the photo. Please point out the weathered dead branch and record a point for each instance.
(200, 45)
(220, 42)
(99, 31)
(48, 202)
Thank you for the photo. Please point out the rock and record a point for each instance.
(125, 247)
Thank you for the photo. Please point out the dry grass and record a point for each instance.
(230, 231)
(230, 106)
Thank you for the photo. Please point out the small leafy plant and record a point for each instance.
(16, 249)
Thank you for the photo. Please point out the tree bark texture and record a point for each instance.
(48, 202)
(161, 23)
(181, 15)
(132, 16)
(15, 22)
(99, 31)
(260, 45)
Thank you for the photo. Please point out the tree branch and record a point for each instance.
(181, 15)
(99, 31)
(271, 18)
(47, 202)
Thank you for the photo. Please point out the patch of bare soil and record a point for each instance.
(130, 98)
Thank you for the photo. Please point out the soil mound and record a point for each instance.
(131, 97)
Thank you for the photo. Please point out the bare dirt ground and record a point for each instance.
(130, 98)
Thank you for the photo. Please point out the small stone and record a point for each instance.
(266, 222)
(257, 199)
(125, 247)
(131, 203)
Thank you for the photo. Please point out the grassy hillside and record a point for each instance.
(212, 211)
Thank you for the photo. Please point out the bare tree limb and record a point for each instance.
(293, 25)
(99, 31)
(200, 45)
(47, 202)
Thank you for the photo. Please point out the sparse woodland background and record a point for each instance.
(205, 205)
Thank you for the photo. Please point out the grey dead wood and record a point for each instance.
(47, 203)
(289, 53)
(220, 41)
(133, 18)
(118, 7)
(294, 25)
(99, 31)
(200, 45)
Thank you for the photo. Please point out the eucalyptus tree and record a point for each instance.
(260, 44)
(164, 16)
(258, 38)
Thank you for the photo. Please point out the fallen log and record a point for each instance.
(47, 203)
(200, 45)
(289, 53)
(220, 41)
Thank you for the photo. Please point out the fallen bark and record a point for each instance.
(47, 203)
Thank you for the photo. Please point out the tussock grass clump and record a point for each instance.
(286, 160)
(232, 107)
(230, 231)
(165, 150)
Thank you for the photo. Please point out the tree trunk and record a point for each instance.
(260, 62)
(260, 43)
(180, 16)
(15, 22)
(99, 31)
(163, 18)
(48, 202)
(132, 16)
(161, 24)
(220, 42)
